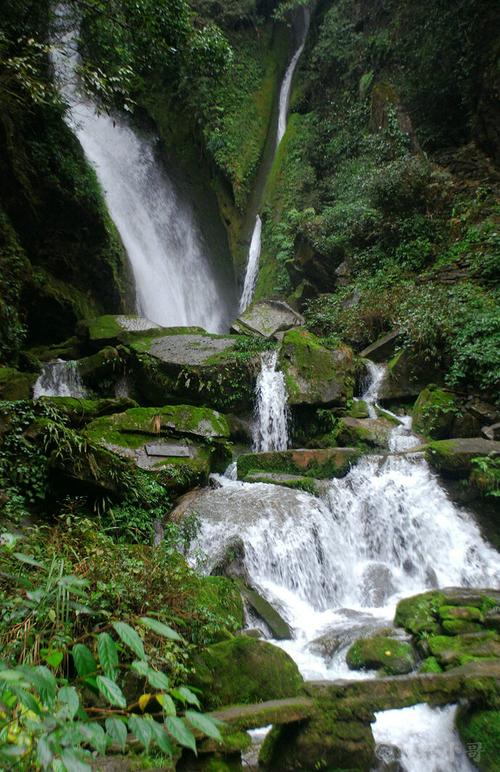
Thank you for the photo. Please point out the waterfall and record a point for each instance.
(171, 262)
(374, 380)
(252, 268)
(59, 379)
(271, 422)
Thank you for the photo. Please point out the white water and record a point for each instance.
(59, 379)
(252, 268)
(375, 377)
(426, 736)
(175, 283)
(270, 430)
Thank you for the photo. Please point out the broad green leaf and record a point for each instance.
(11, 675)
(204, 724)
(160, 629)
(29, 559)
(117, 731)
(54, 658)
(140, 667)
(130, 638)
(142, 730)
(26, 699)
(180, 732)
(157, 680)
(167, 704)
(108, 654)
(85, 663)
(73, 761)
(161, 738)
(185, 695)
(95, 736)
(111, 692)
(69, 702)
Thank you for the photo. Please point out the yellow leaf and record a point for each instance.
(388, 653)
(143, 701)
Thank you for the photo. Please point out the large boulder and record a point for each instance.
(434, 412)
(111, 329)
(105, 365)
(454, 457)
(371, 432)
(244, 670)
(267, 318)
(479, 730)
(197, 368)
(16, 385)
(315, 374)
(407, 374)
(392, 656)
(323, 463)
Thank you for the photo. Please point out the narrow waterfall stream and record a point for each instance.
(335, 566)
(176, 281)
(59, 379)
(270, 430)
(252, 268)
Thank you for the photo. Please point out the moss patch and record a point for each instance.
(322, 464)
(480, 732)
(380, 652)
(434, 413)
(15, 385)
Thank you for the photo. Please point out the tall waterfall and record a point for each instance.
(252, 268)
(59, 379)
(174, 280)
(271, 420)
(374, 380)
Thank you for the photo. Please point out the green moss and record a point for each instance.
(358, 409)
(296, 483)
(321, 464)
(430, 665)
(466, 613)
(460, 626)
(480, 733)
(419, 614)
(451, 651)
(219, 598)
(245, 670)
(434, 412)
(380, 652)
(15, 385)
(81, 411)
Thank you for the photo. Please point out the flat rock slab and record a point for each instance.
(188, 349)
(267, 318)
(383, 348)
(322, 463)
(455, 456)
(165, 449)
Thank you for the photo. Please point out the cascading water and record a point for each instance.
(174, 279)
(374, 380)
(252, 268)
(270, 430)
(59, 379)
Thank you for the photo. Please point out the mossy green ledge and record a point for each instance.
(15, 385)
(454, 457)
(322, 463)
(315, 374)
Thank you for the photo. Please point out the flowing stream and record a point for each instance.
(270, 430)
(59, 379)
(252, 268)
(335, 566)
(174, 271)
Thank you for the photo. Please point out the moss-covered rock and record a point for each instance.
(370, 432)
(106, 364)
(358, 409)
(390, 655)
(430, 665)
(315, 374)
(322, 464)
(479, 731)
(452, 651)
(266, 318)
(307, 484)
(454, 457)
(81, 411)
(220, 597)
(407, 374)
(16, 385)
(434, 412)
(245, 670)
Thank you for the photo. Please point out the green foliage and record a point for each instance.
(486, 475)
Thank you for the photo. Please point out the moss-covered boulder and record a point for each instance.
(392, 656)
(364, 432)
(220, 598)
(322, 464)
(315, 374)
(267, 318)
(307, 484)
(81, 411)
(181, 420)
(435, 412)
(454, 457)
(452, 651)
(479, 730)
(419, 614)
(407, 374)
(245, 670)
(105, 365)
(450, 611)
(16, 385)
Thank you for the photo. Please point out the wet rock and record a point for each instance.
(364, 431)
(344, 634)
(80, 412)
(314, 374)
(106, 364)
(491, 432)
(452, 651)
(323, 463)
(308, 484)
(454, 457)
(377, 585)
(388, 758)
(245, 670)
(380, 652)
(266, 318)
(434, 413)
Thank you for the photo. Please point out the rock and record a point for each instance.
(377, 585)
(383, 349)
(343, 634)
(483, 411)
(105, 365)
(15, 385)
(434, 413)
(278, 627)
(392, 656)
(491, 432)
(323, 463)
(388, 758)
(173, 420)
(81, 411)
(406, 376)
(454, 457)
(244, 670)
(423, 615)
(373, 432)
(194, 368)
(479, 730)
(451, 651)
(111, 329)
(358, 409)
(314, 374)
(266, 318)
(308, 484)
